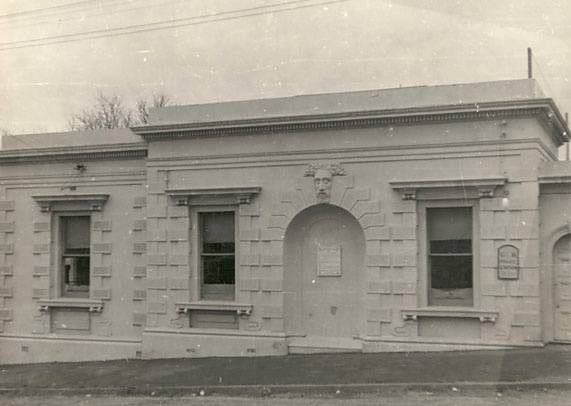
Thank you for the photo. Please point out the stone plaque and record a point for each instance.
(329, 260)
(508, 262)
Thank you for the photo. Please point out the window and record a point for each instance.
(450, 256)
(217, 255)
(75, 255)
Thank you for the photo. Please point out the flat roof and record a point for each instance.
(70, 139)
(308, 106)
(347, 102)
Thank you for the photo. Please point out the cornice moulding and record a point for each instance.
(76, 153)
(544, 108)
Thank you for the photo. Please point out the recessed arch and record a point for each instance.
(324, 265)
(562, 288)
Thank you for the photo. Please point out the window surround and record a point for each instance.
(212, 199)
(66, 205)
(434, 193)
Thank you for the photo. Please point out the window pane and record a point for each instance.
(76, 276)
(76, 232)
(451, 272)
(217, 232)
(450, 256)
(451, 246)
(75, 255)
(450, 230)
(218, 269)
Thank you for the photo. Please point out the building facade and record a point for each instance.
(426, 218)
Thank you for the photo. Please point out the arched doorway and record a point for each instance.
(324, 251)
(562, 289)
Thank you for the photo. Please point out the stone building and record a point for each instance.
(387, 220)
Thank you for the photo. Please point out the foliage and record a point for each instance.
(110, 112)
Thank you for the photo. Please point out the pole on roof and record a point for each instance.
(529, 67)
(567, 149)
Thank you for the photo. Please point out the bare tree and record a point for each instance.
(158, 100)
(110, 112)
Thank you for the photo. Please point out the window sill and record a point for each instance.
(483, 316)
(94, 306)
(239, 308)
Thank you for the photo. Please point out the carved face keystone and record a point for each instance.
(323, 182)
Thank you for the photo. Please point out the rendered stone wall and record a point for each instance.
(142, 240)
(28, 263)
(390, 224)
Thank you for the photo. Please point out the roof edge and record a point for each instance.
(544, 107)
(83, 153)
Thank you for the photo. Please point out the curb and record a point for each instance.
(340, 390)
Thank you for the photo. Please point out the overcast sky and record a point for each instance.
(242, 49)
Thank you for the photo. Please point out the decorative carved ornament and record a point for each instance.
(323, 179)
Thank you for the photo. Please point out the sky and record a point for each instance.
(56, 56)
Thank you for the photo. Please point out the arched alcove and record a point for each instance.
(562, 288)
(324, 252)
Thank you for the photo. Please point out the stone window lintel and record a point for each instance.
(485, 187)
(189, 197)
(89, 202)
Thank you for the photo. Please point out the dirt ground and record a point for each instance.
(551, 398)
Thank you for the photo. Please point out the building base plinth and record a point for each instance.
(195, 344)
(28, 350)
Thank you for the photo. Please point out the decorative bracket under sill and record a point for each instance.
(240, 308)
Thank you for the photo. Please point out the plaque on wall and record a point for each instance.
(329, 260)
(508, 262)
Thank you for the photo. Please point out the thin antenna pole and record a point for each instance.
(567, 149)
(529, 66)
